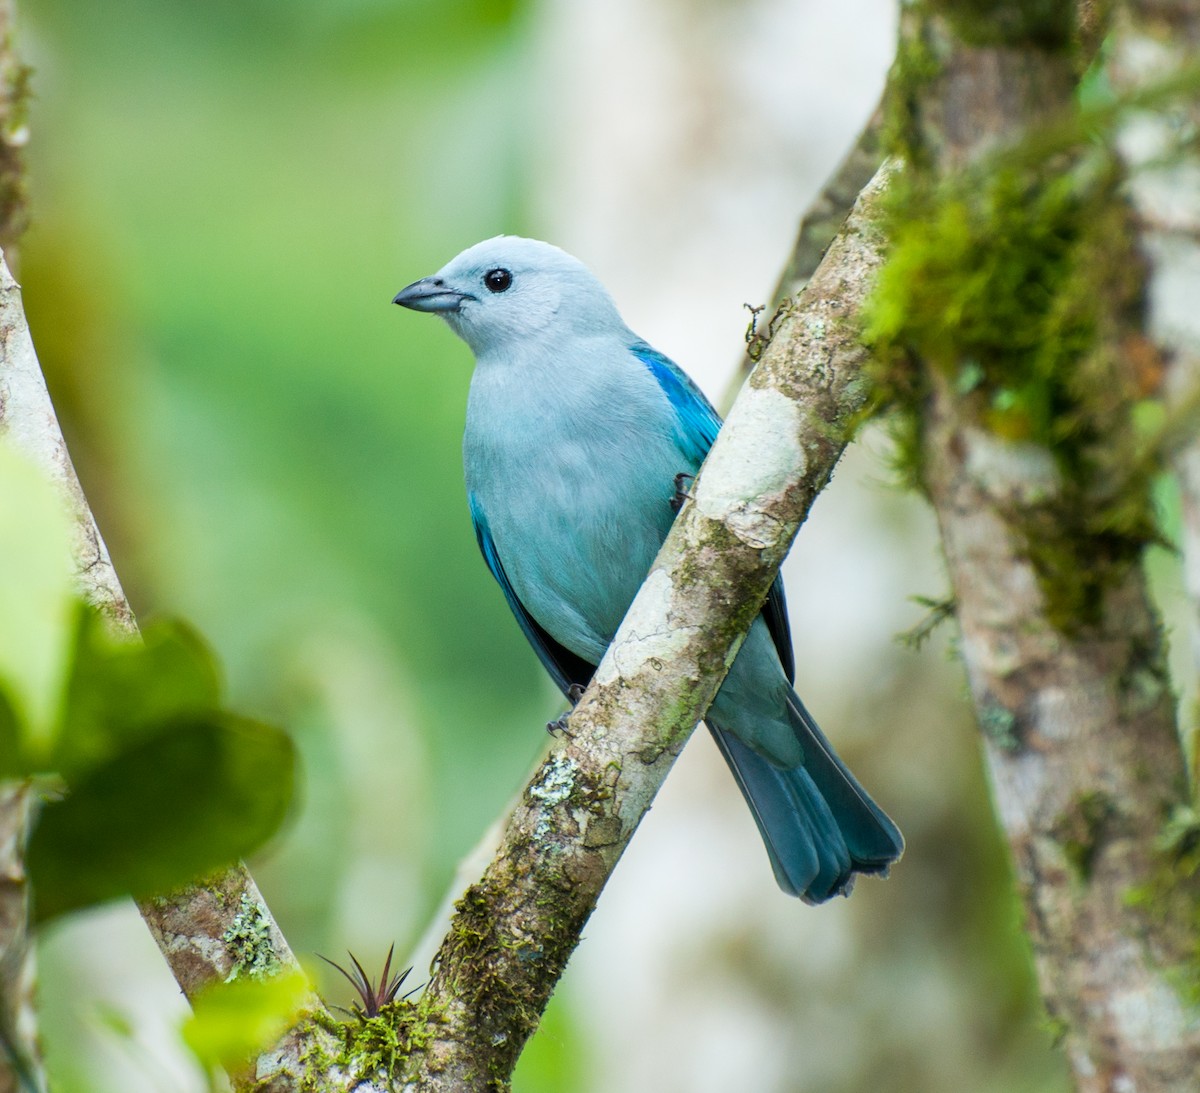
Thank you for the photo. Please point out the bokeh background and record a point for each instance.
(225, 197)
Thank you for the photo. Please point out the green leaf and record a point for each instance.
(233, 1022)
(36, 596)
(198, 795)
(121, 690)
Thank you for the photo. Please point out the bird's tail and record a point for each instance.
(819, 825)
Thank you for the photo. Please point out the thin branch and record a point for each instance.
(28, 421)
(14, 95)
(515, 929)
(20, 1058)
(825, 216)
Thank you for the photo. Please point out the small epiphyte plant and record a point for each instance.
(374, 996)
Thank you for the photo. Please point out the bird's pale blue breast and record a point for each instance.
(570, 460)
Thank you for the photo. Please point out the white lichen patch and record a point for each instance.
(1150, 1017)
(645, 636)
(1012, 472)
(554, 787)
(556, 783)
(756, 456)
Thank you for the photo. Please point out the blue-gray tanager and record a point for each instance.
(576, 432)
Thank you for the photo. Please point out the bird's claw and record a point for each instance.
(680, 494)
(559, 724)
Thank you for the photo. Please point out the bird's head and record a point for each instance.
(509, 291)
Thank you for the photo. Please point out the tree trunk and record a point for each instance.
(1022, 435)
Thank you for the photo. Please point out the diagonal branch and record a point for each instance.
(20, 1056)
(514, 930)
(825, 216)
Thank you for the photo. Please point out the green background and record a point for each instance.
(225, 197)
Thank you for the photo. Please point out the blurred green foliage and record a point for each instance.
(233, 1022)
(225, 198)
(245, 211)
(149, 782)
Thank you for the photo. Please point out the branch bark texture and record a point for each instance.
(20, 1054)
(514, 930)
(1063, 651)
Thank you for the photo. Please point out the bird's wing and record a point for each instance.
(560, 662)
(697, 425)
(696, 422)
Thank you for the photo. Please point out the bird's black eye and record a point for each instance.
(497, 280)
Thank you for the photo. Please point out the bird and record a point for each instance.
(578, 438)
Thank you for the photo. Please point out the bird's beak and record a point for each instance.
(430, 294)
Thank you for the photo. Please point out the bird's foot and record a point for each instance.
(681, 494)
(559, 724)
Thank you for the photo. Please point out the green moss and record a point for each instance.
(476, 955)
(916, 67)
(1081, 829)
(1047, 25)
(382, 1043)
(1018, 285)
(377, 1047)
(1171, 897)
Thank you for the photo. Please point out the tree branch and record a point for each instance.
(514, 930)
(14, 94)
(825, 216)
(20, 1055)
(821, 223)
